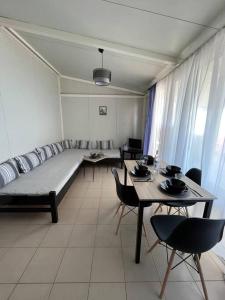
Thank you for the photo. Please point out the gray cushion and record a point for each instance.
(28, 161)
(8, 173)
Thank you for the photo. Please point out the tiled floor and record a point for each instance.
(81, 257)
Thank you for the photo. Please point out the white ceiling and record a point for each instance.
(162, 26)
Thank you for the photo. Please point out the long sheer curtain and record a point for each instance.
(188, 125)
(148, 125)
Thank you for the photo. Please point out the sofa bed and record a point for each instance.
(50, 171)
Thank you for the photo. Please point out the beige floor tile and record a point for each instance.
(83, 236)
(90, 202)
(210, 269)
(31, 291)
(43, 266)
(107, 217)
(32, 236)
(69, 202)
(57, 236)
(107, 265)
(76, 265)
(144, 291)
(13, 263)
(69, 291)
(93, 193)
(109, 203)
(180, 273)
(87, 216)
(6, 290)
(109, 291)
(9, 233)
(106, 237)
(76, 192)
(68, 216)
(130, 218)
(182, 290)
(145, 271)
(108, 193)
(216, 289)
(128, 234)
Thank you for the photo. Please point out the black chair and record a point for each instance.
(191, 236)
(128, 197)
(195, 175)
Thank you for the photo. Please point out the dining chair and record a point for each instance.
(191, 236)
(182, 207)
(128, 199)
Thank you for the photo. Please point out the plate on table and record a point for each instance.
(170, 191)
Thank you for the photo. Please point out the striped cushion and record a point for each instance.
(106, 145)
(54, 149)
(48, 151)
(28, 161)
(68, 144)
(44, 152)
(83, 144)
(59, 147)
(8, 172)
(94, 145)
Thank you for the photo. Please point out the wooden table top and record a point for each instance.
(150, 191)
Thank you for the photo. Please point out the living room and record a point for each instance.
(112, 132)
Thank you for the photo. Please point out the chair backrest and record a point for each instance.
(196, 235)
(195, 175)
(134, 143)
(119, 186)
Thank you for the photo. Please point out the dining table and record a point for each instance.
(149, 191)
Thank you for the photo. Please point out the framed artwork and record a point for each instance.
(102, 110)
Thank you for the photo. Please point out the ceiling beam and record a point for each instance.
(88, 41)
(108, 86)
(101, 96)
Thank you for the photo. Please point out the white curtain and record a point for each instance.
(189, 119)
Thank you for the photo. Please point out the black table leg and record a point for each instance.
(139, 233)
(93, 172)
(208, 209)
(125, 175)
(122, 159)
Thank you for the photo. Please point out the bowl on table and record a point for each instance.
(171, 170)
(175, 186)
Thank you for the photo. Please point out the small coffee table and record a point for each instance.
(93, 162)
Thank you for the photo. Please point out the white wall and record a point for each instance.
(81, 119)
(29, 100)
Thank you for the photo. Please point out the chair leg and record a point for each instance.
(121, 215)
(145, 233)
(202, 277)
(118, 209)
(158, 207)
(167, 273)
(153, 246)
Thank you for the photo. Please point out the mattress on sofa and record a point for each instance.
(50, 176)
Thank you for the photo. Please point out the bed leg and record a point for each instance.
(54, 210)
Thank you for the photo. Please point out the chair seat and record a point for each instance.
(130, 197)
(180, 203)
(164, 225)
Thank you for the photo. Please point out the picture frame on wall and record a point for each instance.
(102, 110)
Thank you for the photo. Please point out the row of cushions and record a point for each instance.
(85, 144)
(11, 169)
